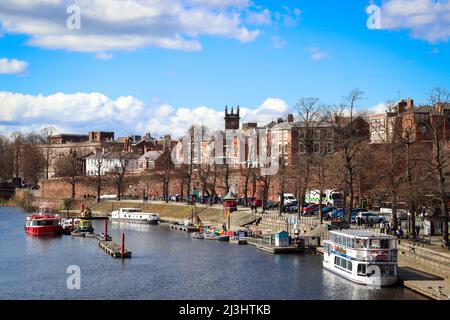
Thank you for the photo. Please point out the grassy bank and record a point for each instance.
(166, 210)
(7, 203)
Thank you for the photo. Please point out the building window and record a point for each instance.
(316, 147)
(329, 148)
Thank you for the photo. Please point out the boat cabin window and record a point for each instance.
(387, 270)
(343, 263)
(43, 222)
(362, 269)
(379, 244)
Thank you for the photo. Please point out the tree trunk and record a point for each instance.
(99, 189)
(73, 184)
(320, 206)
(444, 203)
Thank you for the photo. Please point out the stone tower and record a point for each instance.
(232, 119)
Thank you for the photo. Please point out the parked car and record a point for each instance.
(271, 205)
(368, 217)
(325, 210)
(288, 199)
(339, 213)
(310, 209)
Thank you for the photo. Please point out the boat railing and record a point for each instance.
(377, 256)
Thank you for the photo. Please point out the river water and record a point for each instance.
(166, 264)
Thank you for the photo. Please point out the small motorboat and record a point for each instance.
(43, 223)
(77, 234)
(85, 226)
(217, 237)
(69, 225)
(198, 235)
(101, 237)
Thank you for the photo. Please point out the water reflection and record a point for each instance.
(120, 225)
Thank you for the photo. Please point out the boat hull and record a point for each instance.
(44, 230)
(153, 222)
(217, 238)
(379, 281)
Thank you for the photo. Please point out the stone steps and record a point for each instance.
(425, 253)
(425, 264)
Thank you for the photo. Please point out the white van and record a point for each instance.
(289, 199)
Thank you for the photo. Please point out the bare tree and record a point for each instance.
(167, 166)
(99, 166)
(349, 139)
(247, 170)
(6, 159)
(320, 167)
(17, 140)
(439, 98)
(309, 118)
(121, 159)
(49, 155)
(32, 162)
(394, 142)
(282, 172)
(70, 168)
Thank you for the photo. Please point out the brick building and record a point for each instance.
(409, 121)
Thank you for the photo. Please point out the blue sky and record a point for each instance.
(278, 64)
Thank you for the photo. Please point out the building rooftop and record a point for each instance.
(152, 155)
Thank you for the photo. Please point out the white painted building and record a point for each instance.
(111, 162)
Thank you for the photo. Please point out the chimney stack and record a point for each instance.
(280, 120)
(290, 118)
(409, 104)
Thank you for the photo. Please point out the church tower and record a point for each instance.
(232, 119)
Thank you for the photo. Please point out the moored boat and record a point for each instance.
(69, 225)
(198, 235)
(85, 226)
(135, 215)
(217, 237)
(43, 224)
(362, 257)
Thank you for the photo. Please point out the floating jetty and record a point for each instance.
(183, 228)
(279, 250)
(238, 241)
(115, 250)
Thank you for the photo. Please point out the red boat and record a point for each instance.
(43, 224)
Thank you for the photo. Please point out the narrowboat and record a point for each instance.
(135, 215)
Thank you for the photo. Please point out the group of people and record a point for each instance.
(389, 228)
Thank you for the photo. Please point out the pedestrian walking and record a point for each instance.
(417, 231)
(382, 227)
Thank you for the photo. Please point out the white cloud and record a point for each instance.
(263, 17)
(12, 66)
(104, 56)
(317, 54)
(127, 25)
(379, 108)
(222, 3)
(426, 19)
(82, 112)
(278, 43)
